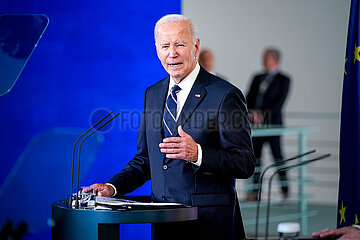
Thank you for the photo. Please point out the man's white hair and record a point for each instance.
(174, 18)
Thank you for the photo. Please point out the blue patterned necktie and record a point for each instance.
(170, 113)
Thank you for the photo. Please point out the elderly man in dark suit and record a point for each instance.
(194, 140)
(266, 97)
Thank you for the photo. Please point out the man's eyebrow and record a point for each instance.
(179, 42)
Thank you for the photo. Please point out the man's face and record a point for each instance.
(175, 49)
(270, 62)
(206, 60)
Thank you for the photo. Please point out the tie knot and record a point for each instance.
(175, 89)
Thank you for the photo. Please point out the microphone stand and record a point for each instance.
(281, 170)
(73, 156)
(78, 173)
(261, 181)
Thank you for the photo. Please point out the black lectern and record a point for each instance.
(74, 224)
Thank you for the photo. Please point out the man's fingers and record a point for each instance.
(102, 190)
(172, 140)
(174, 156)
(169, 145)
(327, 232)
(90, 188)
(170, 150)
(183, 147)
(87, 189)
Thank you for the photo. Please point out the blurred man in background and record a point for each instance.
(265, 100)
(206, 60)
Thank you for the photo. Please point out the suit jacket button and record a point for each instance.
(165, 167)
(163, 198)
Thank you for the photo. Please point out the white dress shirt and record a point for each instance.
(186, 85)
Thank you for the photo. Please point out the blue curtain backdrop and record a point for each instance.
(94, 55)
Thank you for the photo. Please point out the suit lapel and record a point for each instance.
(158, 115)
(197, 93)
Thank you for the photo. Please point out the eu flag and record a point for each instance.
(349, 186)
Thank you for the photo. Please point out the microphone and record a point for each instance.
(78, 173)
(276, 164)
(281, 170)
(73, 155)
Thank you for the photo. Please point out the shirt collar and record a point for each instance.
(273, 71)
(187, 82)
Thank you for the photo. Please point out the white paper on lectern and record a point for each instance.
(125, 202)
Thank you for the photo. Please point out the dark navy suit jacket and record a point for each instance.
(215, 116)
(274, 97)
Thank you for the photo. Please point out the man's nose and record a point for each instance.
(173, 51)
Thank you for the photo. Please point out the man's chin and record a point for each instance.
(175, 75)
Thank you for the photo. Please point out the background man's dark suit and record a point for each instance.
(215, 116)
(271, 108)
(274, 97)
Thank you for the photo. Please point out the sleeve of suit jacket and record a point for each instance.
(233, 155)
(137, 171)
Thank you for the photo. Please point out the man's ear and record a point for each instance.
(157, 51)
(197, 47)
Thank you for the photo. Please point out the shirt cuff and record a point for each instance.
(115, 191)
(199, 160)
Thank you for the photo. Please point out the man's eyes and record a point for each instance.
(177, 45)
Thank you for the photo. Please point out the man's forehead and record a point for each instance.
(173, 36)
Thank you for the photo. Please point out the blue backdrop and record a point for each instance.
(94, 55)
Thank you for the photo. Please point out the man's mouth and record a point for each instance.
(174, 64)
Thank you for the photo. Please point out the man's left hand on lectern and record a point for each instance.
(102, 190)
